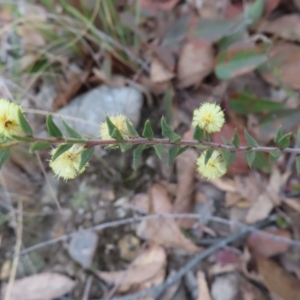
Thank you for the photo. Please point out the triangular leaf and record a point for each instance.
(114, 132)
(297, 164)
(39, 146)
(4, 154)
(125, 146)
(131, 129)
(278, 135)
(229, 157)
(284, 141)
(147, 131)
(85, 157)
(250, 156)
(255, 11)
(70, 131)
(198, 134)
(167, 131)
(182, 149)
(23, 123)
(117, 135)
(236, 139)
(208, 155)
(250, 140)
(173, 152)
(175, 140)
(137, 155)
(159, 148)
(60, 150)
(52, 129)
(22, 138)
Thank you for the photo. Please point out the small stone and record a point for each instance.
(99, 216)
(82, 247)
(95, 105)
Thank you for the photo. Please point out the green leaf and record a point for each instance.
(60, 150)
(255, 11)
(278, 135)
(111, 126)
(147, 131)
(159, 148)
(284, 141)
(131, 129)
(175, 140)
(70, 131)
(173, 152)
(247, 102)
(208, 155)
(182, 149)
(297, 164)
(52, 129)
(22, 138)
(137, 153)
(4, 154)
(114, 132)
(125, 146)
(298, 137)
(250, 156)
(23, 123)
(86, 155)
(39, 146)
(274, 155)
(198, 134)
(250, 140)
(168, 132)
(236, 139)
(228, 157)
(236, 62)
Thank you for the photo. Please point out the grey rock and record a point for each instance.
(82, 247)
(93, 106)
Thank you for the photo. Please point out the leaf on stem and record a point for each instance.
(250, 140)
(125, 146)
(39, 146)
(147, 131)
(284, 141)
(168, 132)
(159, 148)
(23, 123)
(4, 154)
(250, 156)
(236, 139)
(52, 129)
(137, 153)
(70, 131)
(60, 150)
(86, 155)
(198, 134)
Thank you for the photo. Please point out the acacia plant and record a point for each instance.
(72, 153)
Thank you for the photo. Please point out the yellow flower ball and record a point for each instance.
(66, 166)
(120, 122)
(209, 117)
(9, 119)
(215, 166)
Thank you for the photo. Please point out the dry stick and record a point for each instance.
(156, 217)
(15, 262)
(157, 290)
(87, 288)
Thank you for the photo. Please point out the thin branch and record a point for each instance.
(156, 217)
(156, 291)
(154, 141)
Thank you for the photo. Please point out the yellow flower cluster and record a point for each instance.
(210, 118)
(9, 119)
(120, 122)
(67, 165)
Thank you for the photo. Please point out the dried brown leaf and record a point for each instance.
(143, 271)
(203, 291)
(195, 63)
(278, 280)
(44, 286)
(267, 246)
(164, 231)
(159, 73)
(286, 27)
